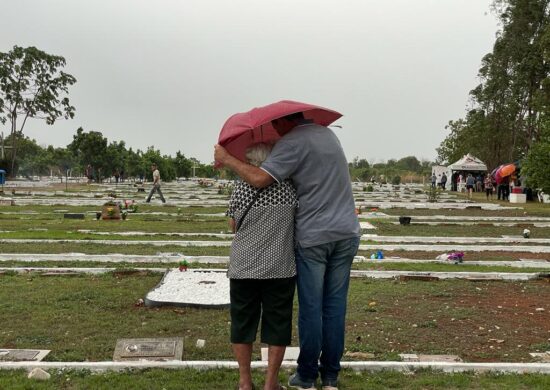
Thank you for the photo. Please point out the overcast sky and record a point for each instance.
(169, 73)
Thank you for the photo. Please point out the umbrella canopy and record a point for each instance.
(245, 129)
(468, 163)
(507, 170)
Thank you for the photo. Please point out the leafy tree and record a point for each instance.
(134, 166)
(409, 163)
(536, 166)
(164, 164)
(182, 165)
(91, 148)
(511, 102)
(116, 158)
(32, 85)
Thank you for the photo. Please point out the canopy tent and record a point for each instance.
(468, 163)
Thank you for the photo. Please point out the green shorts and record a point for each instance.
(270, 299)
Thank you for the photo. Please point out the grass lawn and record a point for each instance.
(224, 379)
(385, 265)
(81, 317)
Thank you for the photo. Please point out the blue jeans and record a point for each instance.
(323, 281)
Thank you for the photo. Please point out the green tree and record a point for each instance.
(182, 165)
(32, 85)
(164, 164)
(409, 163)
(513, 97)
(91, 148)
(536, 166)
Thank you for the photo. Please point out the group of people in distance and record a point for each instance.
(278, 246)
(478, 183)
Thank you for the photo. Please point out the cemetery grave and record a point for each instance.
(491, 308)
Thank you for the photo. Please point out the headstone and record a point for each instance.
(73, 216)
(156, 349)
(291, 353)
(23, 355)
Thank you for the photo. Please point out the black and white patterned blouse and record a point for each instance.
(263, 248)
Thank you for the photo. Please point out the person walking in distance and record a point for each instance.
(443, 181)
(156, 184)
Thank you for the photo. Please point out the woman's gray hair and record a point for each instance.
(256, 154)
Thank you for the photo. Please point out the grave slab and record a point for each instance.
(195, 288)
(23, 355)
(291, 353)
(150, 349)
(412, 357)
(367, 225)
(543, 357)
(73, 216)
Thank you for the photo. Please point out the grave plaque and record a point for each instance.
(149, 349)
(22, 355)
(73, 216)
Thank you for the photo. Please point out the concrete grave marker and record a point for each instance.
(412, 357)
(23, 355)
(291, 353)
(156, 349)
(543, 357)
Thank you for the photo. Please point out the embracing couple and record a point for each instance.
(294, 217)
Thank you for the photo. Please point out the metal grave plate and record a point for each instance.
(149, 349)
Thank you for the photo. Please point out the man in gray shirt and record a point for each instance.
(327, 236)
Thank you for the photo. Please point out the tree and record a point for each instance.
(32, 85)
(536, 166)
(182, 165)
(513, 97)
(91, 148)
(409, 163)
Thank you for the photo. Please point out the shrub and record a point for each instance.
(433, 194)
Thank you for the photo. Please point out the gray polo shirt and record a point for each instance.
(312, 157)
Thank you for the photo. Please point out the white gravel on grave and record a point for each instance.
(193, 287)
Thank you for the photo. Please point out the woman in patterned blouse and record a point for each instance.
(262, 270)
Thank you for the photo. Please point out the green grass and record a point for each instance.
(529, 209)
(387, 228)
(378, 266)
(94, 248)
(224, 379)
(81, 317)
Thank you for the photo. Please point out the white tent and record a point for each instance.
(468, 163)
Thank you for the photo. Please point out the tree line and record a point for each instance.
(509, 118)
(392, 171)
(105, 158)
(33, 85)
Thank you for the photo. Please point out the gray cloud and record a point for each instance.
(168, 73)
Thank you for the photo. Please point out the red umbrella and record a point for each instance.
(248, 128)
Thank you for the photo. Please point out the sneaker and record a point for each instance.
(330, 384)
(296, 382)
